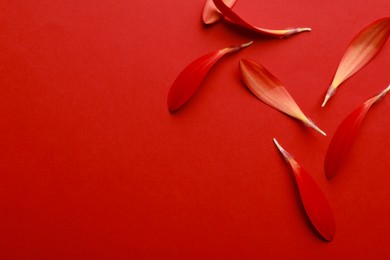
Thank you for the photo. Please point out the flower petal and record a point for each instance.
(234, 18)
(270, 90)
(345, 135)
(192, 76)
(211, 14)
(362, 49)
(315, 203)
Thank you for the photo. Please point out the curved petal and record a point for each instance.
(192, 76)
(236, 19)
(315, 203)
(211, 14)
(362, 49)
(345, 135)
(271, 91)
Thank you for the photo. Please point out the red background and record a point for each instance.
(93, 165)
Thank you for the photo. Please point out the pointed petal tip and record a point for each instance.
(327, 97)
(284, 153)
(246, 44)
(319, 130)
(329, 94)
(325, 100)
(277, 144)
(305, 29)
(386, 90)
(293, 31)
(280, 148)
(378, 97)
(311, 124)
(239, 47)
(322, 132)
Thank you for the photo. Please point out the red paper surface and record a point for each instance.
(93, 165)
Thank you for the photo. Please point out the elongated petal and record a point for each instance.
(362, 49)
(270, 90)
(316, 205)
(192, 76)
(345, 135)
(234, 18)
(211, 14)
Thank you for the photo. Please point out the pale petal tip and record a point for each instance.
(327, 97)
(319, 130)
(285, 154)
(329, 94)
(311, 124)
(308, 122)
(293, 31)
(246, 44)
(238, 47)
(277, 144)
(384, 92)
(378, 97)
(305, 29)
(386, 89)
(325, 100)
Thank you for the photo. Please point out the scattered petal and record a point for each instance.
(234, 18)
(362, 49)
(345, 135)
(315, 203)
(192, 76)
(270, 90)
(211, 14)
